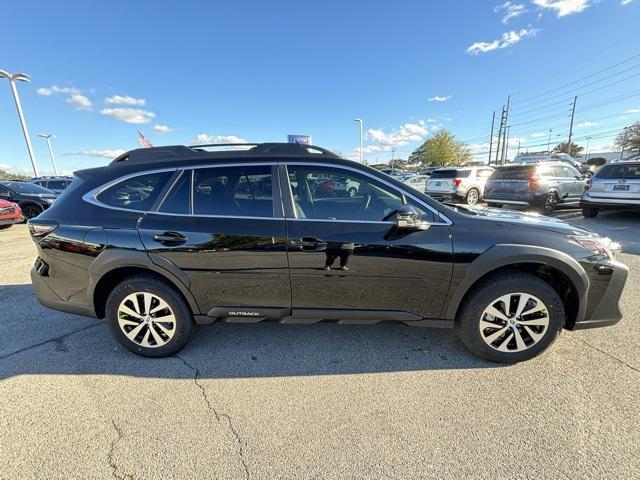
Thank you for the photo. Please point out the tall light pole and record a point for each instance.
(359, 120)
(549, 142)
(48, 137)
(13, 78)
(588, 140)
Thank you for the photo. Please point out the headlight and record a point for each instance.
(600, 245)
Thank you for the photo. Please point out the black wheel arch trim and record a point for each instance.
(504, 255)
(114, 259)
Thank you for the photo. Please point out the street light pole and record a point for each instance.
(588, 140)
(359, 120)
(549, 142)
(48, 137)
(12, 81)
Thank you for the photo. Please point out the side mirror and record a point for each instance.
(409, 219)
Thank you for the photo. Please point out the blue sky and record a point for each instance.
(258, 70)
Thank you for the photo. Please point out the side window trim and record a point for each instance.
(401, 193)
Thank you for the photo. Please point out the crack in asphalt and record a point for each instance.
(619, 360)
(112, 463)
(217, 414)
(57, 340)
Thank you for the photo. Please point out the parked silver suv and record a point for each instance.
(616, 186)
(458, 183)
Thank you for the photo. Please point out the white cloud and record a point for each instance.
(409, 132)
(125, 100)
(439, 98)
(162, 129)
(202, 138)
(508, 38)
(633, 110)
(98, 153)
(511, 10)
(56, 89)
(538, 134)
(431, 120)
(563, 7)
(586, 124)
(79, 101)
(625, 2)
(129, 115)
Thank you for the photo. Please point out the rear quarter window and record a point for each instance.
(135, 193)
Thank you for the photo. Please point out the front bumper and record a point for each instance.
(10, 221)
(607, 312)
(47, 297)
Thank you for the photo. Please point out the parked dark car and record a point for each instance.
(616, 186)
(545, 186)
(55, 184)
(10, 214)
(144, 245)
(33, 199)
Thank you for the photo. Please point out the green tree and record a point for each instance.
(439, 150)
(597, 161)
(629, 139)
(11, 176)
(563, 147)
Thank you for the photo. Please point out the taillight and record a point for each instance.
(587, 184)
(457, 182)
(534, 183)
(41, 228)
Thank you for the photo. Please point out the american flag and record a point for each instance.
(144, 141)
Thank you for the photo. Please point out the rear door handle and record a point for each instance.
(311, 244)
(170, 237)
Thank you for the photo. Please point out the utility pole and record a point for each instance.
(393, 154)
(588, 140)
(549, 142)
(505, 146)
(500, 133)
(493, 119)
(359, 120)
(518, 147)
(573, 113)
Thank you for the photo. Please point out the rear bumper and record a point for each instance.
(609, 203)
(608, 310)
(506, 202)
(48, 298)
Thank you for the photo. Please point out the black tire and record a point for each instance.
(179, 307)
(550, 203)
(31, 211)
(4, 227)
(494, 205)
(589, 212)
(472, 197)
(470, 313)
(352, 192)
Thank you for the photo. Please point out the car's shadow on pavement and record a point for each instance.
(41, 341)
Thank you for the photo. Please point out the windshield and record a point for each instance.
(450, 173)
(512, 173)
(629, 172)
(26, 187)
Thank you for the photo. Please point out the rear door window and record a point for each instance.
(135, 193)
(233, 191)
(548, 171)
(178, 200)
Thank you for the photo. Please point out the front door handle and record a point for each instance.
(311, 244)
(170, 237)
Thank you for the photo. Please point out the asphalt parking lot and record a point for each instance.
(321, 401)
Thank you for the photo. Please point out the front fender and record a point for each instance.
(503, 255)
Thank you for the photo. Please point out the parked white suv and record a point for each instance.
(616, 186)
(458, 183)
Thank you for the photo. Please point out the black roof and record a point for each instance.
(199, 152)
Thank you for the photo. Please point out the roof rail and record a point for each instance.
(156, 154)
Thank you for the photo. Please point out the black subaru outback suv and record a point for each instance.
(165, 238)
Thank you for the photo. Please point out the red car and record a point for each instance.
(10, 213)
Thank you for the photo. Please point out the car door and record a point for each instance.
(223, 227)
(569, 183)
(344, 257)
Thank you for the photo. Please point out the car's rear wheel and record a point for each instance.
(148, 316)
(589, 212)
(31, 211)
(511, 318)
(472, 197)
(550, 203)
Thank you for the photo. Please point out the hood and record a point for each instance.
(533, 220)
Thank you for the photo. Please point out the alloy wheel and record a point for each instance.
(472, 197)
(550, 203)
(514, 322)
(146, 320)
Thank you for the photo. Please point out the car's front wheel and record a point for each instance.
(31, 211)
(148, 316)
(550, 203)
(589, 212)
(511, 318)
